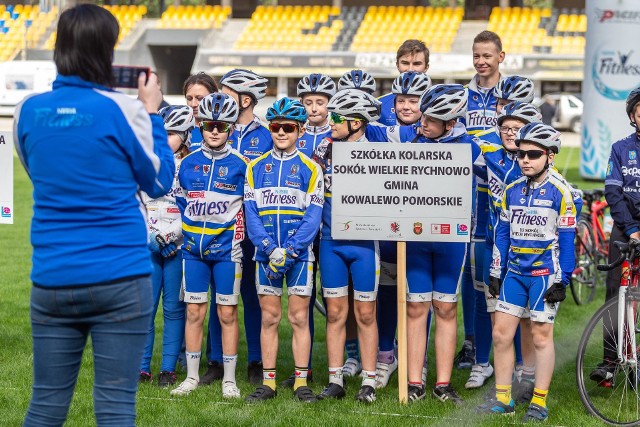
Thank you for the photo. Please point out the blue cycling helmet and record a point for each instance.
(287, 108)
(357, 79)
(540, 134)
(444, 102)
(514, 88)
(218, 107)
(316, 83)
(411, 83)
(632, 100)
(522, 111)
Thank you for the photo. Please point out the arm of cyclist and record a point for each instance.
(255, 228)
(616, 198)
(500, 253)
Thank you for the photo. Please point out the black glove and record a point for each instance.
(556, 293)
(494, 286)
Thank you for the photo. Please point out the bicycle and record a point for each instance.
(613, 330)
(591, 247)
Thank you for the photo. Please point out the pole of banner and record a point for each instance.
(402, 323)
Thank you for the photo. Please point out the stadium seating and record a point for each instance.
(194, 17)
(527, 30)
(20, 26)
(127, 16)
(385, 27)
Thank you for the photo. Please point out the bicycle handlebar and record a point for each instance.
(627, 251)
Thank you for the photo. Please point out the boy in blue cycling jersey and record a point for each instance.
(251, 139)
(623, 197)
(210, 202)
(351, 110)
(533, 262)
(283, 202)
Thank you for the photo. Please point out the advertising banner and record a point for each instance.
(401, 192)
(611, 70)
(6, 178)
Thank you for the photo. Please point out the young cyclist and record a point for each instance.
(412, 55)
(283, 202)
(351, 111)
(621, 192)
(502, 169)
(251, 139)
(487, 57)
(357, 79)
(196, 87)
(533, 262)
(434, 269)
(165, 241)
(210, 202)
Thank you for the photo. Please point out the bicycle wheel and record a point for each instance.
(583, 279)
(617, 401)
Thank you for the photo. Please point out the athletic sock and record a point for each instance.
(369, 378)
(193, 364)
(229, 363)
(503, 394)
(301, 378)
(351, 346)
(385, 357)
(540, 397)
(335, 376)
(269, 377)
(528, 374)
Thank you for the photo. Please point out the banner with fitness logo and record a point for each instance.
(612, 69)
(6, 178)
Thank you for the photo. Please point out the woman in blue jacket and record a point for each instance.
(88, 151)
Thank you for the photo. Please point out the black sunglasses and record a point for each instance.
(531, 154)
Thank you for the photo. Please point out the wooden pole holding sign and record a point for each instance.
(403, 391)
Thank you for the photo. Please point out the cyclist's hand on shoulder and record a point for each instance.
(495, 283)
(556, 293)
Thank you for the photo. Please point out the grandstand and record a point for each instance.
(291, 40)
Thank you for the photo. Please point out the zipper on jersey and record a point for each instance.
(204, 224)
(278, 208)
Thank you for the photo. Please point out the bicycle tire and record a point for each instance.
(583, 281)
(601, 400)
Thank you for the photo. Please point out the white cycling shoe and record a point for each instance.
(230, 390)
(384, 372)
(479, 374)
(351, 368)
(187, 386)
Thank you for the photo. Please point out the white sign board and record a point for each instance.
(401, 192)
(6, 178)
(611, 71)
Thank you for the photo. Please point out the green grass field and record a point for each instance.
(206, 407)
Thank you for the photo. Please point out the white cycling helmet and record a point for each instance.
(218, 107)
(522, 111)
(177, 118)
(444, 102)
(245, 82)
(316, 83)
(355, 104)
(514, 88)
(411, 83)
(540, 134)
(357, 79)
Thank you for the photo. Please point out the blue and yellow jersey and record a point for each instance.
(210, 203)
(311, 138)
(388, 110)
(481, 108)
(283, 197)
(252, 140)
(535, 233)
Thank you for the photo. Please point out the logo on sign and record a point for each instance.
(6, 212)
(462, 230)
(440, 228)
(614, 73)
(345, 226)
(395, 227)
(417, 228)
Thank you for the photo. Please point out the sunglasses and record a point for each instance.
(531, 154)
(338, 119)
(221, 127)
(505, 129)
(286, 127)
